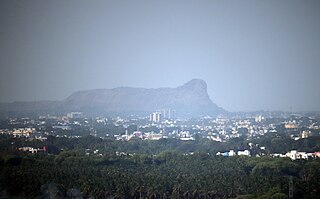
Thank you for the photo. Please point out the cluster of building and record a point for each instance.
(19, 132)
(293, 154)
(296, 155)
(162, 115)
(34, 150)
(182, 135)
(222, 129)
(163, 124)
(233, 153)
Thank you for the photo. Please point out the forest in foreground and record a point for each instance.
(169, 173)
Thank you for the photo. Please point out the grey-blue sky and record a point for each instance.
(253, 54)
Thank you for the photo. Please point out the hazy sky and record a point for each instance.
(253, 55)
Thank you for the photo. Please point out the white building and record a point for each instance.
(153, 136)
(23, 132)
(155, 117)
(294, 155)
(186, 138)
(245, 152)
(232, 153)
(167, 114)
(75, 115)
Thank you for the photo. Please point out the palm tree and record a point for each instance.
(195, 194)
(176, 191)
(187, 195)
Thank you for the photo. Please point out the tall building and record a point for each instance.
(167, 114)
(155, 117)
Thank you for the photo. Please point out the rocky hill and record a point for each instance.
(190, 99)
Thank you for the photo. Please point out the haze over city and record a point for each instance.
(253, 55)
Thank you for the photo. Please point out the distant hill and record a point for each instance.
(188, 100)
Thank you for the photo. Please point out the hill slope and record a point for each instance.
(190, 99)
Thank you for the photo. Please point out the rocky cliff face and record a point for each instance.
(190, 100)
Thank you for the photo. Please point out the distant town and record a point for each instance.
(162, 124)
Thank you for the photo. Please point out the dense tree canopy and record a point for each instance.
(148, 169)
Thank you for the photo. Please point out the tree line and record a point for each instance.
(149, 169)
